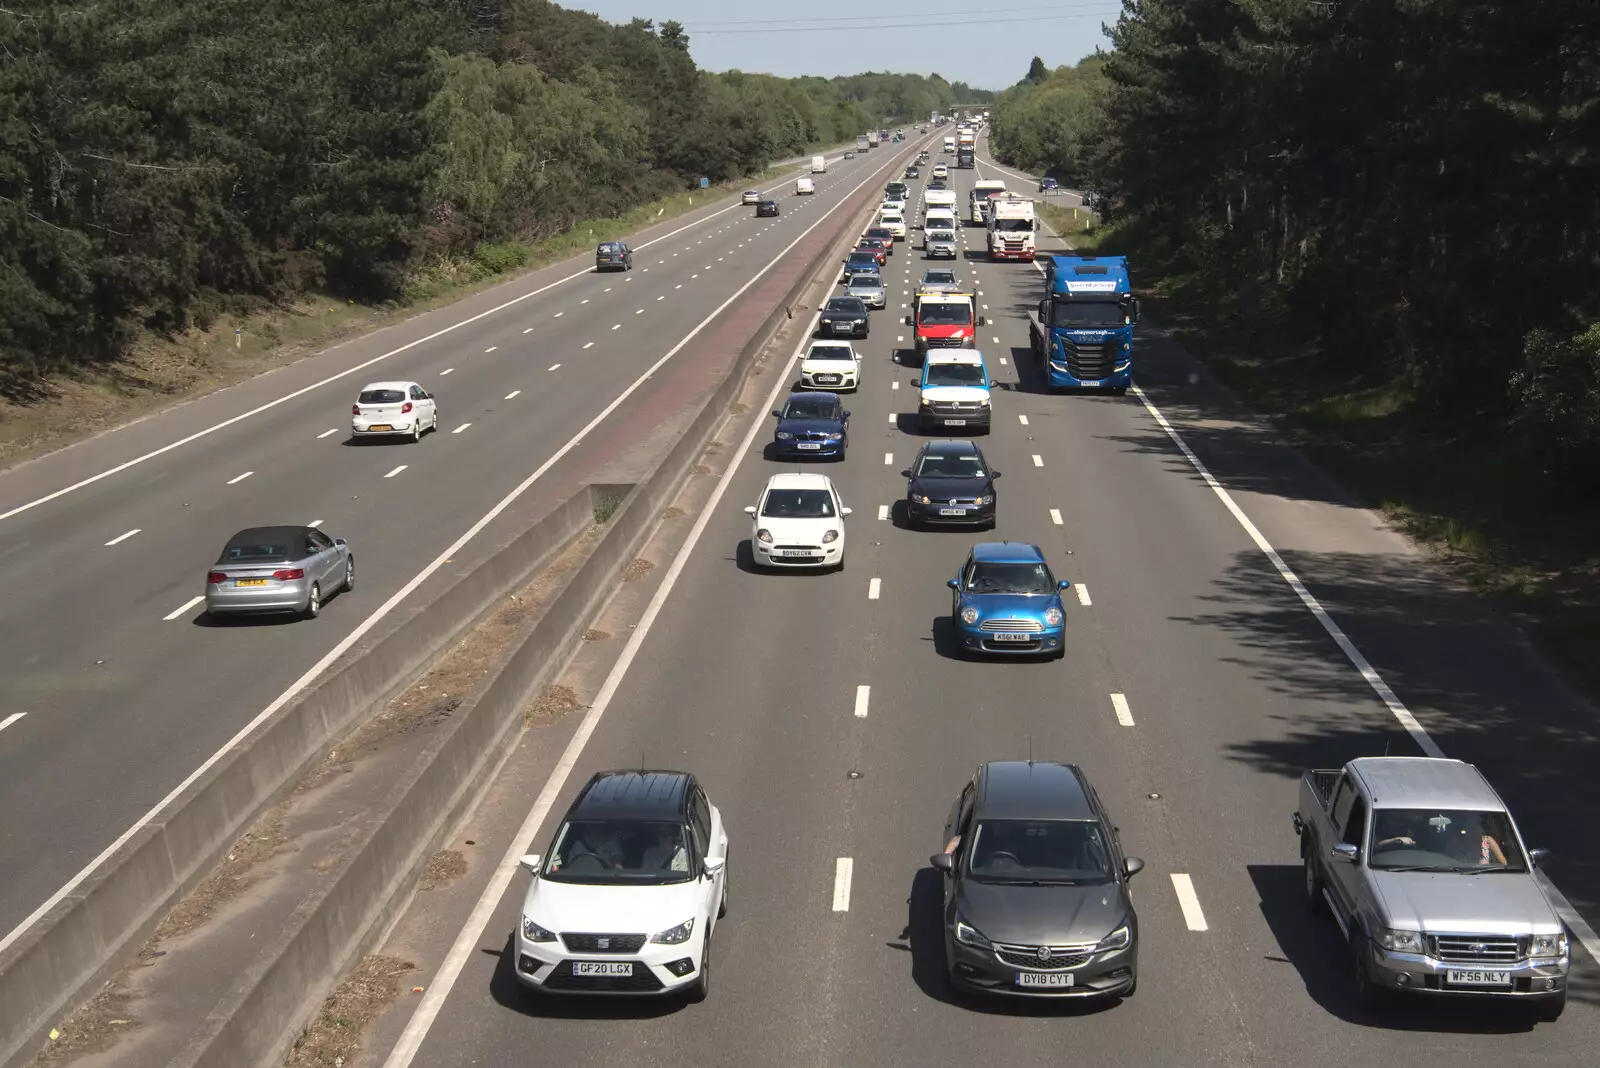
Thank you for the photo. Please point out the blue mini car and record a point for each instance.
(1006, 601)
(811, 424)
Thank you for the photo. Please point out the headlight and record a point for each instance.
(969, 935)
(1053, 617)
(1121, 938)
(1400, 941)
(1548, 945)
(783, 435)
(833, 437)
(969, 615)
(983, 402)
(861, 322)
(921, 500)
(830, 537)
(987, 498)
(675, 935)
(534, 933)
(764, 535)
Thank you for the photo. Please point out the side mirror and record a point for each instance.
(530, 863)
(954, 584)
(847, 511)
(983, 320)
(1136, 312)
(340, 541)
(712, 865)
(906, 473)
(1538, 856)
(994, 474)
(1064, 584)
(908, 321)
(1132, 866)
(844, 415)
(749, 509)
(1346, 852)
(777, 414)
(943, 862)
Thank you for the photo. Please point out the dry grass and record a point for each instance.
(94, 1028)
(443, 868)
(334, 1037)
(673, 512)
(231, 878)
(592, 635)
(637, 569)
(554, 703)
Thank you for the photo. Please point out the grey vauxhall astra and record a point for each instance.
(1036, 900)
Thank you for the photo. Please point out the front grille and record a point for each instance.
(1090, 361)
(1467, 949)
(829, 379)
(591, 943)
(812, 435)
(1057, 958)
(642, 981)
(955, 408)
(959, 502)
(944, 342)
(1012, 626)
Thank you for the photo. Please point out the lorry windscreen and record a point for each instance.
(945, 315)
(1088, 314)
(1012, 226)
(1416, 839)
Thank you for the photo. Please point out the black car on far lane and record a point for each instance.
(767, 209)
(913, 171)
(844, 317)
(950, 482)
(1036, 900)
(613, 256)
(938, 183)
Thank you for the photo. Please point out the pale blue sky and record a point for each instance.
(985, 45)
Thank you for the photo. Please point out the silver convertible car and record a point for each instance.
(279, 569)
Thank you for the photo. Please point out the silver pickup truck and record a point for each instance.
(1426, 874)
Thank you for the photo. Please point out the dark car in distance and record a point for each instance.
(913, 171)
(949, 482)
(613, 256)
(767, 209)
(938, 183)
(844, 317)
(858, 261)
(811, 424)
(1036, 896)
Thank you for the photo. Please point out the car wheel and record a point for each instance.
(702, 986)
(1311, 884)
(313, 607)
(840, 565)
(434, 426)
(722, 906)
(1368, 994)
(349, 575)
(416, 431)
(1550, 1009)
(1121, 391)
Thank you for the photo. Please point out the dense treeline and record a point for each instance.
(1415, 182)
(163, 160)
(1048, 121)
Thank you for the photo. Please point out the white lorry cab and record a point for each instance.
(819, 165)
(979, 203)
(949, 144)
(1012, 226)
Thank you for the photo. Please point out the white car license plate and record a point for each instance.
(955, 422)
(796, 552)
(1056, 979)
(809, 445)
(828, 379)
(952, 511)
(602, 967)
(1095, 382)
(1477, 977)
(1003, 637)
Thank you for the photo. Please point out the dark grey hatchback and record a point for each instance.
(1036, 898)
(613, 256)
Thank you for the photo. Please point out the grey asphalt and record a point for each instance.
(749, 680)
(119, 704)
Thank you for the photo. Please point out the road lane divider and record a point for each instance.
(1193, 916)
(863, 696)
(182, 609)
(1083, 594)
(460, 428)
(874, 588)
(120, 538)
(335, 430)
(396, 471)
(1119, 705)
(240, 478)
(883, 512)
(843, 872)
(1038, 461)
(1055, 516)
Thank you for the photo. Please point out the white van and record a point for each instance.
(802, 186)
(819, 165)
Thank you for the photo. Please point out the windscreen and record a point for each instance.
(868, 258)
(798, 504)
(948, 466)
(1088, 314)
(1013, 226)
(848, 305)
(939, 278)
(619, 852)
(381, 396)
(866, 281)
(1010, 578)
(945, 315)
(810, 408)
(1040, 851)
(830, 352)
(954, 374)
(1450, 840)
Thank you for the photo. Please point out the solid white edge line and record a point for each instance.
(843, 870)
(863, 696)
(1083, 594)
(1119, 704)
(1403, 715)
(433, 999)
(9, 720)
(120, 538)
(401, 595)
(874, 588)
(1189, 902)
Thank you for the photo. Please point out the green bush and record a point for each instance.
(499, 257)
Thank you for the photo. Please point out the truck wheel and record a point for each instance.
(1313, 887)
(1369, 995)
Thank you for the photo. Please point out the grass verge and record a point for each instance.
(233, 346)
(1491, 512)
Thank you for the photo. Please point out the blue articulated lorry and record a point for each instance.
(1082, 331)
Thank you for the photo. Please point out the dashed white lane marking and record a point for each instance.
(530, 329)
(1055, 516)
(556, 316)
(460, 428)
(9, 720)
(899, 337)
(175, 613)
(986, 308)
(490, 349)
(842, 870)
(585, 300)
(863, 695)
(1002, 361)
(629, 279)
(639, 311)
(325, 433)
(1189, 902)
(241, 478)
(1038, 461)
(893, 418)
(1119, 705)
(314, 523)
(883, 512)
(902, 306)
(874, 588)
(1083, 594)
(554, 366)
(120, 538)
(995, 340)
(693, 276)
(607, 289)
(617, 327)
(588, 344)
(446, 371)
(1022, 419)
(396, 471)
(888, 458)
(660, 262)
(662, 297)
(894, 385)
(678, 286)
(513, 394)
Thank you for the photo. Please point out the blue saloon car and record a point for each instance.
(1007, 601)
(811, 424)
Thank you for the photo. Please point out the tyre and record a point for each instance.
(1369, 995)
(349, 575)
(722, 906)
(701, 988)
(434, 426)
(1311, 885)
(416, 431)
(840, 565)
(313, 607)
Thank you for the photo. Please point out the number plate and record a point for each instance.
(809, 445)
(1477, 977)
(249, 582)
(827, 379)
(955, 422)
(380, 426)
(796, 552)
(952, 511)
(602, 967)
(843, 328)
(1095, 382)
(1003, 637)
(1055, 979)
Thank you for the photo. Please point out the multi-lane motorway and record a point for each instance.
(114, 687)
(1197, 684)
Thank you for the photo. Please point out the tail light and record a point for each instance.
(355, 409)
(405, 409)
(289, 574)
(215, 577)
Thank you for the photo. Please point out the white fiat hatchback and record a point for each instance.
(799, 522)
(629, 895)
